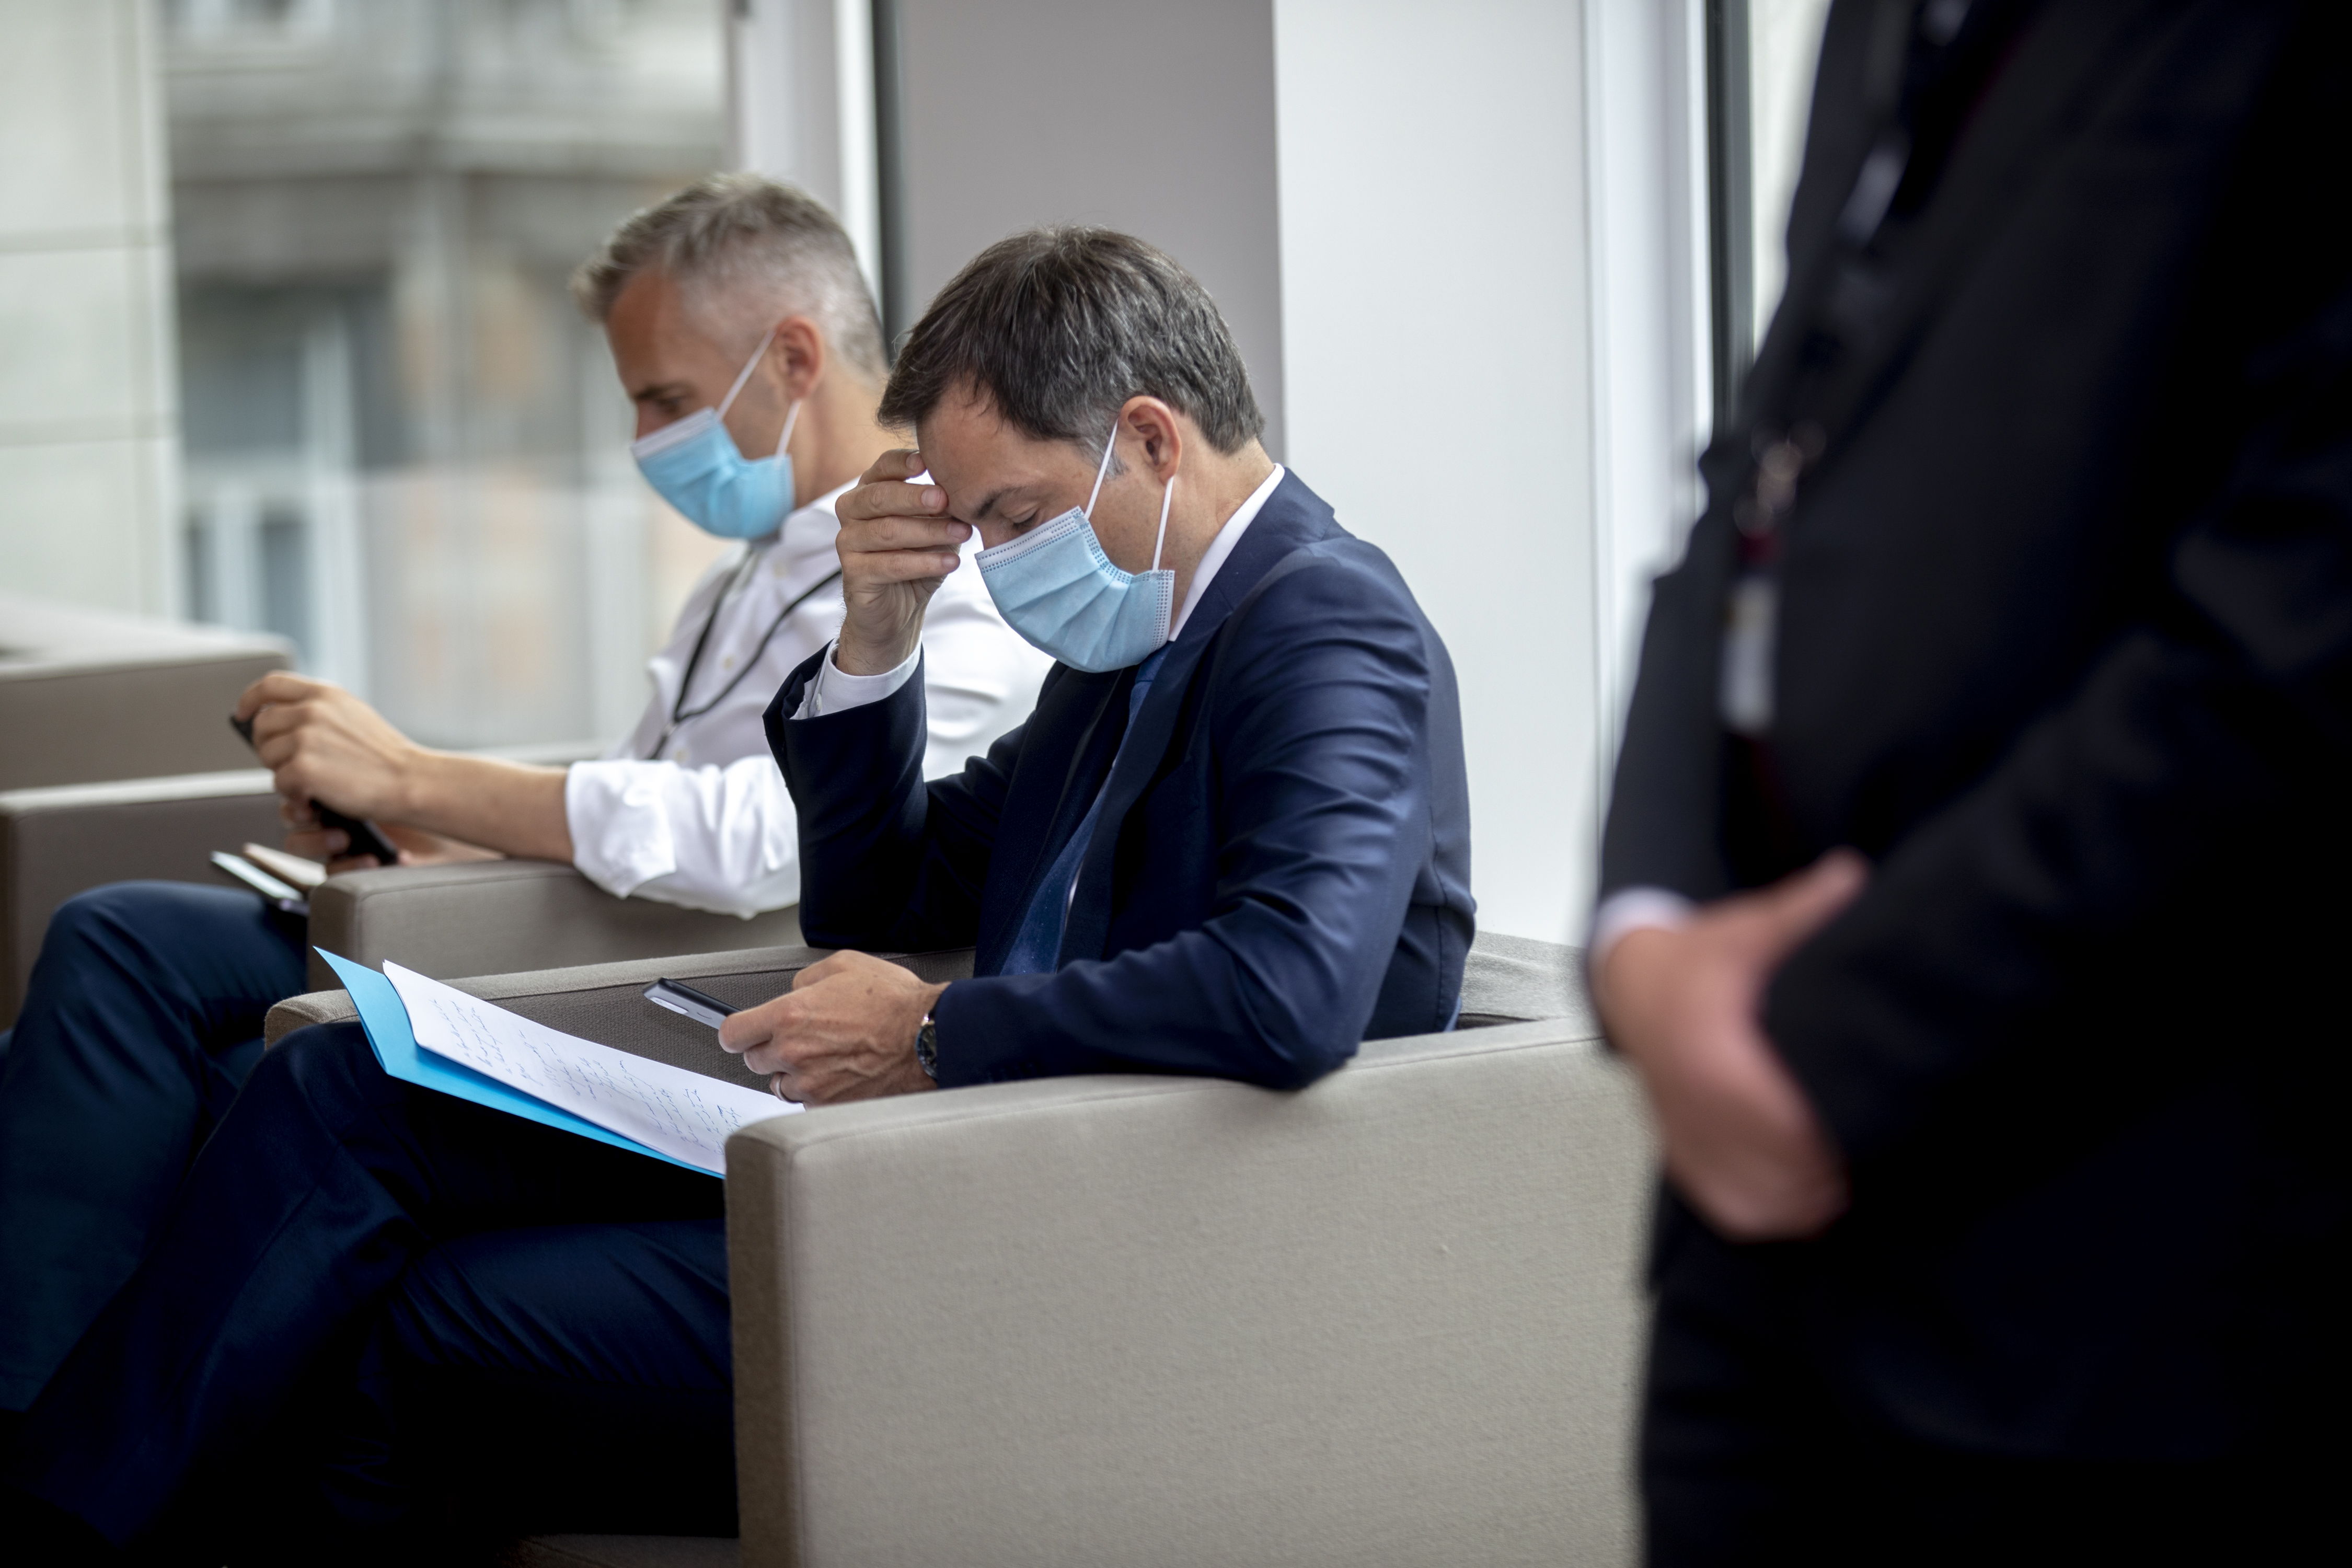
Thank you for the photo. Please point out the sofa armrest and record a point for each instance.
(501, 916)
(88, 694)
(1390, 1318)
(605, 1001)
(65, 839)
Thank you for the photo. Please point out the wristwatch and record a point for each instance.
(927, 1048)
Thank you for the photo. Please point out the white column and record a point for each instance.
(338, 648)
(1495, 342)
(801, 107)
(1646, 190)
(1435, 351)
(88, 430)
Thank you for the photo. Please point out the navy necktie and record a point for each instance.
(1037, 950)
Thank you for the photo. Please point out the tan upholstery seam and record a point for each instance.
(1148, 1087)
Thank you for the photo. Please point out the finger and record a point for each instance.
(754, 1027)
(278, 686)
(822, 969)
(885, 533)
(898, 463)
(342, 863)
(280, 723)
(891, 497)
(782, 1086)
(1792, 909)
(320, 843)
(891, 567)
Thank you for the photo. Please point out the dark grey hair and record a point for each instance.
(1058, 327)
(746, 251)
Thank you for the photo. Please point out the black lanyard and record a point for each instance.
(680, 714)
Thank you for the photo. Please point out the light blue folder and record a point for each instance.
(384, 1016)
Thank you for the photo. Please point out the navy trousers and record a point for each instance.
(1750, 1453)
(372, 1303)
(143, 1017)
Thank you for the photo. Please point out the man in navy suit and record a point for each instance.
(1232, 839)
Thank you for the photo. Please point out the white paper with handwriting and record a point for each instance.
(684, 1114)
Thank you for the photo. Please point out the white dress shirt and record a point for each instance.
(834, 690)
(695, 812)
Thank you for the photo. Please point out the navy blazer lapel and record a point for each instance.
(1292, 516)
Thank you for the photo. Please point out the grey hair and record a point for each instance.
(745, 250)
(1058, 327)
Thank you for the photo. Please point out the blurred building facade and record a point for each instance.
(402, 447)
(88, 421)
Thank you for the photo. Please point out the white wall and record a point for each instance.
(1491, 347)
(88, 442)
(1140, 115)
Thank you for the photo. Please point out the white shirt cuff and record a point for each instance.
(834, 690)
(1629, 910)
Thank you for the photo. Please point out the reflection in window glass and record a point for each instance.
(404, 448)
(1784, 40)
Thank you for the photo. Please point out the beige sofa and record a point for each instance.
(118, 760)
(87, 694)
(494, 916)
(119, 764)
(497, 917)
(62, 840)
(1390, 1320)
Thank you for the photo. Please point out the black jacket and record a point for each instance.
(2065, 649)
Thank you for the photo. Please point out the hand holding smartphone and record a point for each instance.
(365, 837)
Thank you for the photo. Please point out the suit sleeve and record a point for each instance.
(1324, 801)
(887, 862)
(2205, 748)
(1664, 803)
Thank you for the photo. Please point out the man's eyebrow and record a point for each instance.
(653, 390)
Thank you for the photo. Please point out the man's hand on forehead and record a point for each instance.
(897, 544)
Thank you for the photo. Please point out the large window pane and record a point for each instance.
(404, 449)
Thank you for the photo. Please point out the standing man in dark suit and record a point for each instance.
(1973, 883)
(1234, 839)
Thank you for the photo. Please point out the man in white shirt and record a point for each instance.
(734, 295)
(739, 322)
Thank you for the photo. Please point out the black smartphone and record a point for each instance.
(365, 837)
(679, 997)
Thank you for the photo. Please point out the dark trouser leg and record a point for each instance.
(143, 1017)
(321, 1187)
(1748, 1456)
(562, 1378)
(1732, 1426)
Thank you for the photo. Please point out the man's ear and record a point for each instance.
(798, 357)
(1154, 425)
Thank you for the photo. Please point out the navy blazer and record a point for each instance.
(1281, 869)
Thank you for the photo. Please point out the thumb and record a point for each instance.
(1792, 909)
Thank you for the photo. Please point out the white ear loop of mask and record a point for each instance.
(791, 414)
(1167, 493)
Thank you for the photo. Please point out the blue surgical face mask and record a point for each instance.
(694, 464)
(1056, 587)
